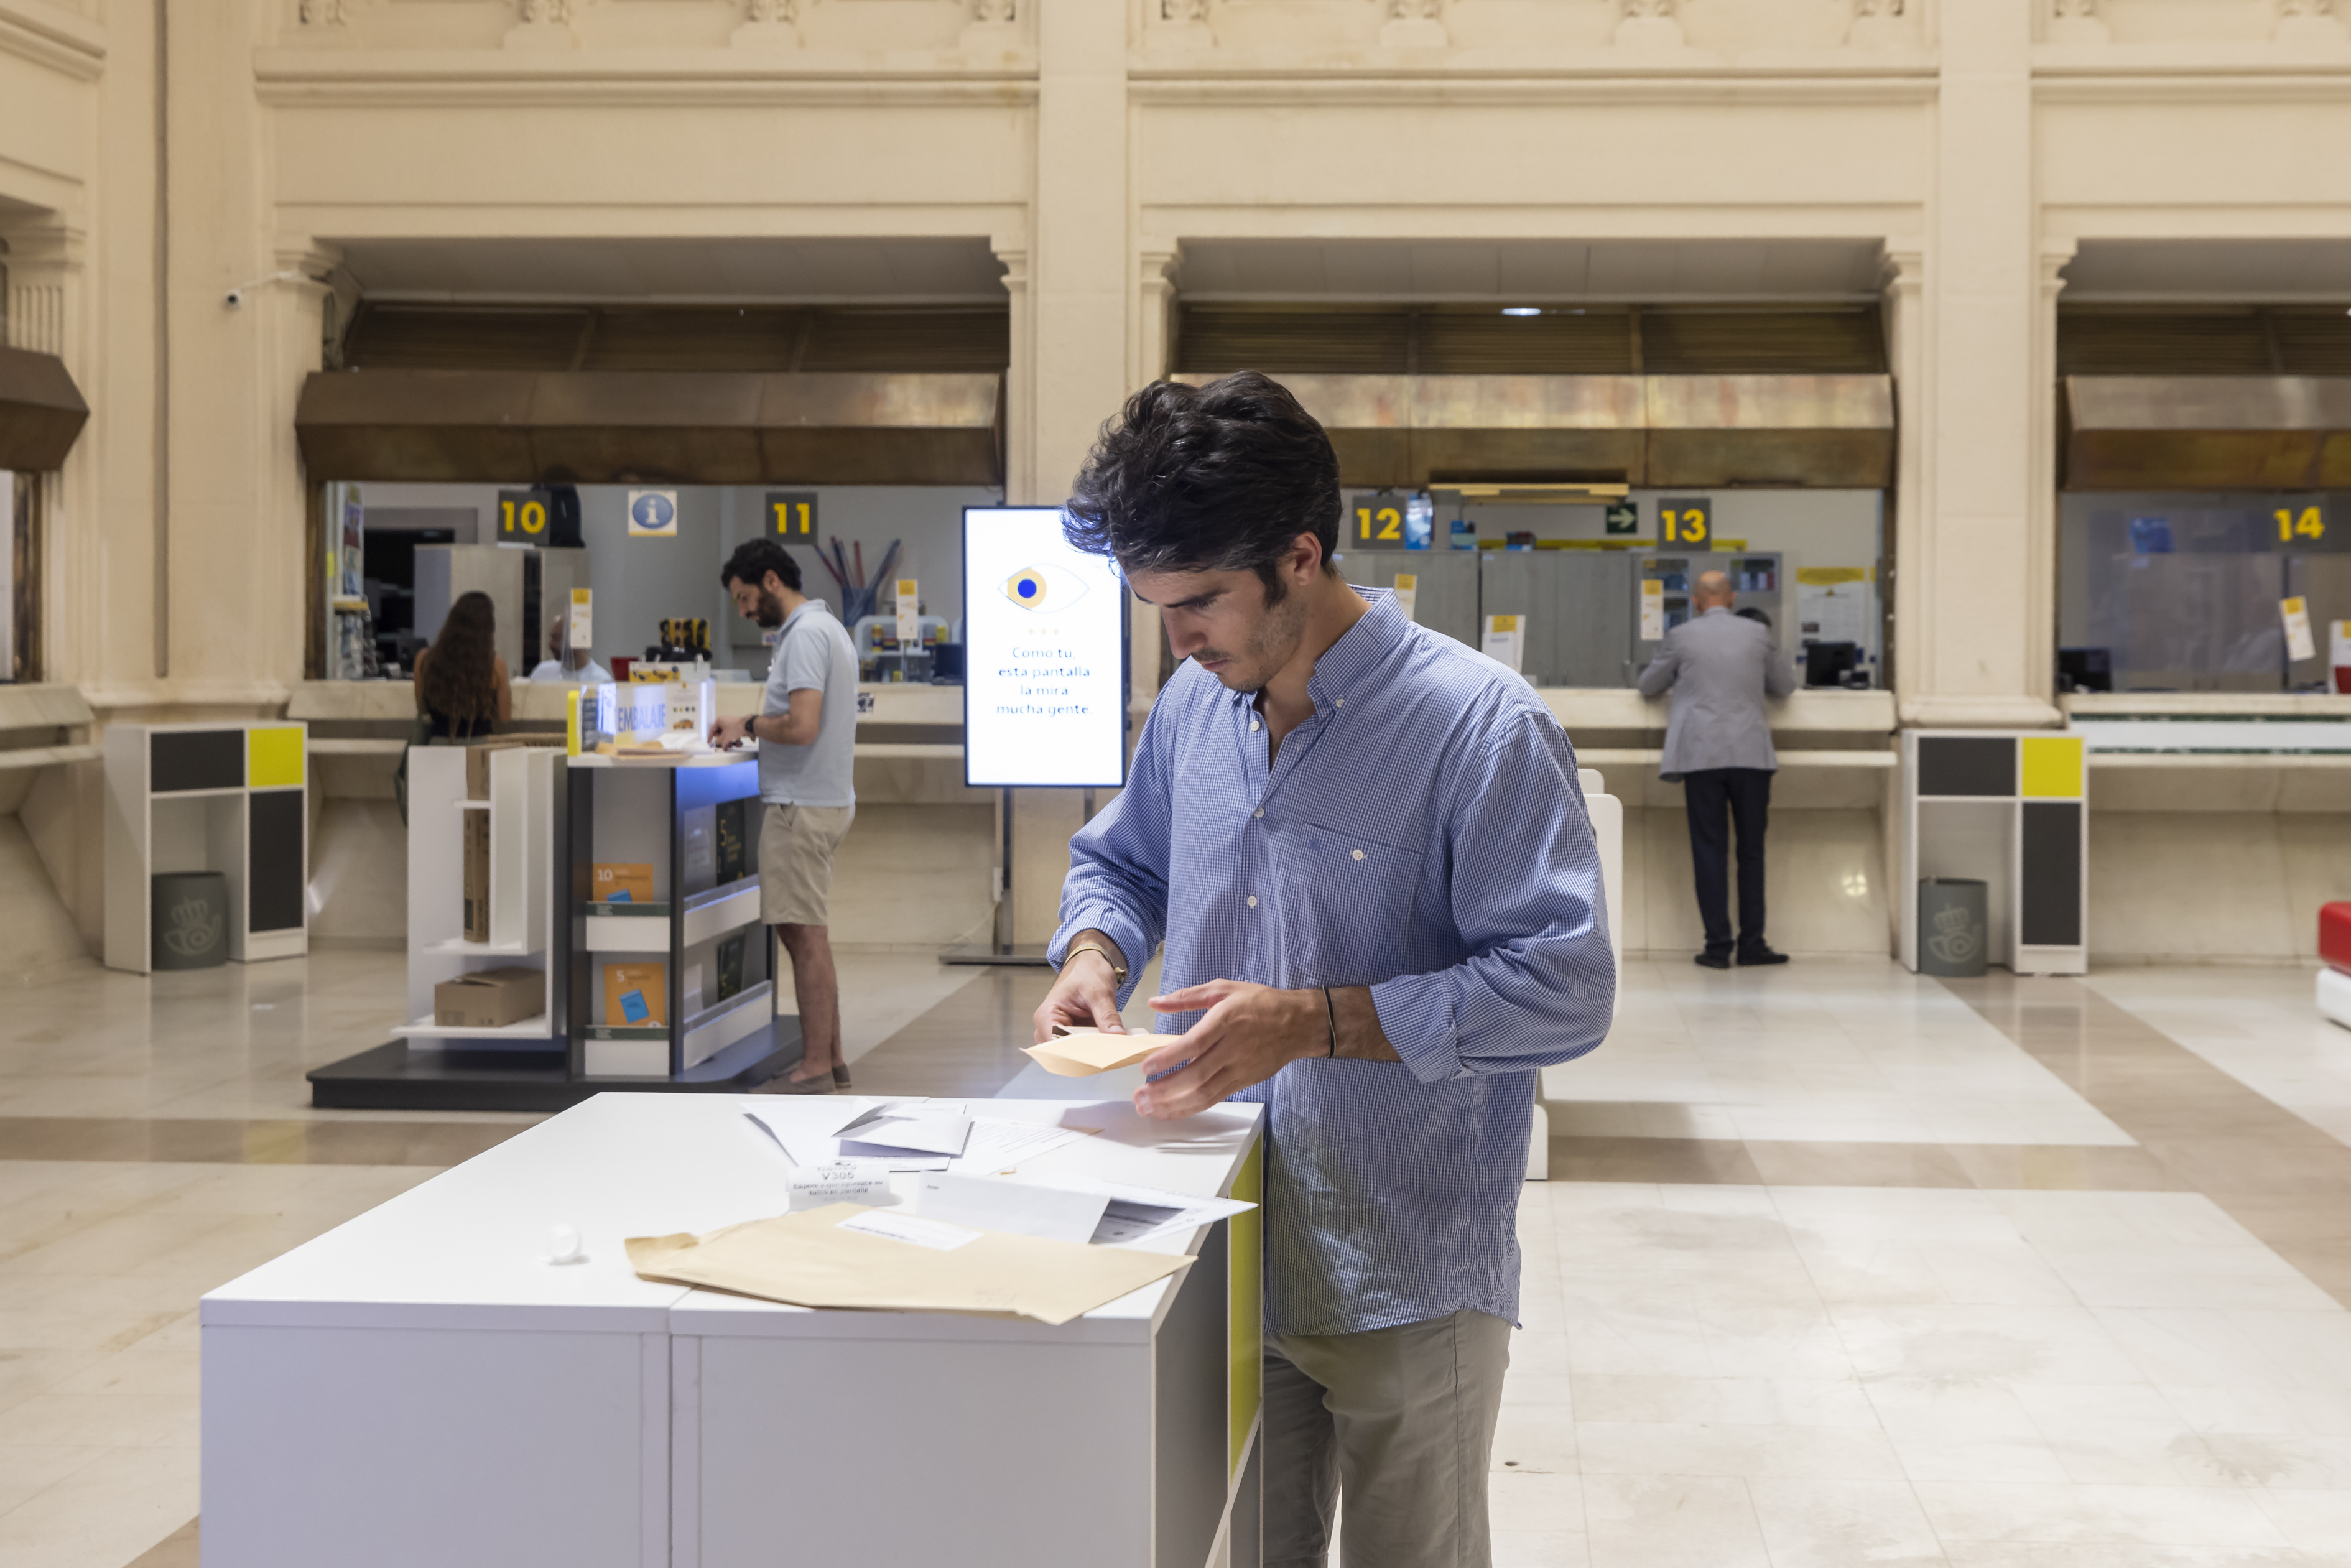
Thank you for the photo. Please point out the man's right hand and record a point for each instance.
(1086, 993)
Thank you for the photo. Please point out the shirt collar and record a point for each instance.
(1360, 649)
(806, 605)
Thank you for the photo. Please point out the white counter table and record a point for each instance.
(419, 1385)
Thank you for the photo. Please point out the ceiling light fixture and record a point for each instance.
(1521, 310)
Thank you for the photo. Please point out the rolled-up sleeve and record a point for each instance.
(1118, 867)
(1540, 985)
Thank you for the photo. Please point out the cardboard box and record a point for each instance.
(477, 875)
(636, 996)
(621, 881)
(490, 998)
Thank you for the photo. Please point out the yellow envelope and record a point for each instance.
(808, 1260)
(1082, 1052)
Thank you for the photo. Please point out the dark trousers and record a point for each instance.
(1716, 798)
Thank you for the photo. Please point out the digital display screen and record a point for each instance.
(1045, 655)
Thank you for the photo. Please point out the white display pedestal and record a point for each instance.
(419, 1385)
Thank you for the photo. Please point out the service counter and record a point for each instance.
(422, 1386)
(1836, 747)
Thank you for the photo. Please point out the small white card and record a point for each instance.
(1505, 640)
(911, 1229)
(1054, 1212)
(844, 1183)
(2299, 644)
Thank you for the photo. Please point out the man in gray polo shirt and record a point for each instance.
(807, 731)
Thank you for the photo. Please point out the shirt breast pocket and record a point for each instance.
(1351, 898)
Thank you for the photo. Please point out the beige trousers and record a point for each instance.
(1401, 1422)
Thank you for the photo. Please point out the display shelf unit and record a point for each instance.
(2009, 809)
(691, 823)
(209, 797)
(552, 819)
(526, 811)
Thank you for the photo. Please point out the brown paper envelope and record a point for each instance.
(807, 1260)
(1082, 1053)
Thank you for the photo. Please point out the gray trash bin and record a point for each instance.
(189, 916)
(1953, 932)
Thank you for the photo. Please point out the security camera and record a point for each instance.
(237, 296)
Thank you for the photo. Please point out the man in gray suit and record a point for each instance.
(1720, 668)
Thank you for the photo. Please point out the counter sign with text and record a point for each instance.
(1045, 655)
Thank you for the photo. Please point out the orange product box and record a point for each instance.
(622, 882)
(636, 996)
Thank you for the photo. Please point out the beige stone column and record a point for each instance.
(1977, 647)
(1019, 380)
(1155, 297)
(1080, 294)
(47, 313)
(1908, 605)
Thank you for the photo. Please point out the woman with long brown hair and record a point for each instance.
(462, 685)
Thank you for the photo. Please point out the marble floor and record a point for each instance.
(1837, 1266)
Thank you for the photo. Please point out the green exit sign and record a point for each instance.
(1623, 517)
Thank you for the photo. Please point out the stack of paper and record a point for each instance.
(1072, 1208)
(846, 1255)
(904, 1134)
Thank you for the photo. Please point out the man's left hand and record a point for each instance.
(1249, 1034)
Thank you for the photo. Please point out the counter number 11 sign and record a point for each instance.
(791, 515)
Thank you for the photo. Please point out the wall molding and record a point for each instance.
(52, 36)
(673, 78)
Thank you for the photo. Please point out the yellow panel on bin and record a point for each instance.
(2053, 765)
(273, 757)
(1245, 1319)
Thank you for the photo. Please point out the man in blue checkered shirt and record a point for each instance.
(1366, 850)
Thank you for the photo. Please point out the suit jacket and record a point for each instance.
(1720, 668)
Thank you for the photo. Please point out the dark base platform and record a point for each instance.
(1019, 955)
(391, 1077)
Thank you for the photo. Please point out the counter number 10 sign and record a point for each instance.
(1685, 520)
(523, 517)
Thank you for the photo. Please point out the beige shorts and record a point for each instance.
(796, 845)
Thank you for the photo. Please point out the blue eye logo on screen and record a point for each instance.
(1044, 587)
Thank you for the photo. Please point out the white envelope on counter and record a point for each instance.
(889, 1131)
(1019, 1208)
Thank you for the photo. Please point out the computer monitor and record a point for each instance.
(1828, 663)
(2085, 670)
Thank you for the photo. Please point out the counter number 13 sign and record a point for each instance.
(1687, 520)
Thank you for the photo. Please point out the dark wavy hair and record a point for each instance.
(1222, 477)
(752, 561)
(461, 678)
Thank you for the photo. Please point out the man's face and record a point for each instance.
(1222, 620)
(759, 602)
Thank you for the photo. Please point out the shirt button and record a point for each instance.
(1341, 703)
(1359, 854)
(1258, 812)
(1253, 727)
(1252, 901)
